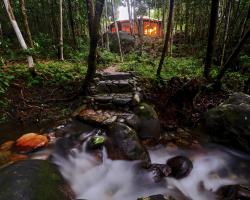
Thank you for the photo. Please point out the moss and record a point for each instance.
(147, 111)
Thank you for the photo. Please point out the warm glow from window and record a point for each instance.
(150, 30)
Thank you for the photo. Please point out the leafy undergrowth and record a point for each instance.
(48, 95)
(183, 67)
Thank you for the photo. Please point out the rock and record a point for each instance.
(229, 123)
(30, 142)
(125, 143)
(150, 127)
(95, 142)
(127, 42)
(154, 197)
(114, 76)
(33, 180)
(92, 117)
(133, 121)
(180, 167)
(7, 146)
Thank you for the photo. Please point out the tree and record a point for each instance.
(226, 31)
(234, 54)
(117, 30)
(94, 19)
(61, 30)
(19, 34)
(26, 23)
(211, 37)
(167, 38)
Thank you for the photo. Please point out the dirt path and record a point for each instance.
(111, 69)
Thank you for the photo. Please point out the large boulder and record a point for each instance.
(124, 143)
(127, 42)
(33, 180)
(149, 126)
(229, 123)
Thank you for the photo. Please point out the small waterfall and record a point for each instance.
(95, 177)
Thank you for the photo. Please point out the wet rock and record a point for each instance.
(180, 167)
(125, 143)
(155, 197)
(133, 121)
(95, 142)
(33, 179)
(150, 127)
(229, 123)
(92, 117)
(30, 142)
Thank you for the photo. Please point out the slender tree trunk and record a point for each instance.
(107, 34)
(61, 30)
(245, 22)
(72, 24)
(130, 18)
(167, 37)
(94, 19)
(226, 32)
(26, 23)
(233, 55)
(211, 37)
(1, 32)
(117, 30)
(19, 34)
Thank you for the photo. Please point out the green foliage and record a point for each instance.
(5, 80)
(106, 58)
(146, 66)
(234, 81)
(52, 72)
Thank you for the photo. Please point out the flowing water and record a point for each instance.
(95, 177)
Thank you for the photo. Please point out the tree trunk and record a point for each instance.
(226, 32)
(72, 24)
(19, 34)
(211, 37)
(1, 32)
(233, 55)
(130, 18)
(106, 16)
(167, 37)
(94, 18)
(245, 22)
(117, 30)
(61, 31)
(26, 23)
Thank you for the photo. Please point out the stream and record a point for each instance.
(93, 176)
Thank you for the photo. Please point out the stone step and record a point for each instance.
(117, 86)
(120, 99)
(103, 117)
(115, 75)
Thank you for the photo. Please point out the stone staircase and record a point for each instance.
(118, 90)
(112, 98)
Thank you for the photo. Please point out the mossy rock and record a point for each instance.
(146, 111)
(229, 123)
(149, 126)
(124, 141)
(33, 180)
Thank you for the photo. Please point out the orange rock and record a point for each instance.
(7, 146)
(30, 142)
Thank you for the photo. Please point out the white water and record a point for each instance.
(93, 179)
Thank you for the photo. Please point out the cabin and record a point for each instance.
(151, 27)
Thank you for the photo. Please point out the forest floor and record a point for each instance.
(56, 91)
